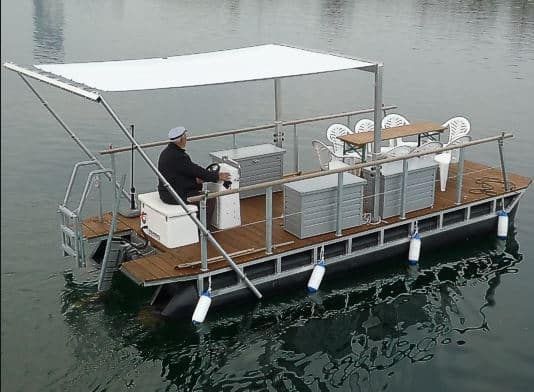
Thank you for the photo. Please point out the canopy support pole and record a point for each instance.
(73, 135)
(378, 138)
(176, 197)
(279, 135)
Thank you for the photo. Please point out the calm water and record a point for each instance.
(464, 321)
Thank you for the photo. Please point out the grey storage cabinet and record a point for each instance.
(260, 163)
(310, 206)
(420, 189)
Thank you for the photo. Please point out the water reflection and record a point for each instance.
(48, 22)
(487, 20)
(336, 16)
(340, 338)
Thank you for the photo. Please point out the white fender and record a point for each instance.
(201, 310)
(502, 225)
(316, 277)
(415, 248)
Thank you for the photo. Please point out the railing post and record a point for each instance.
(278, 135)
(269, 220)
(339, 205)
(377, 119)
(234, 140)
(503, 168)
(460, 177)
(100, 199)
(296, 148)
(278, 113)
(203, 239)
(348, 121)
(403, 188)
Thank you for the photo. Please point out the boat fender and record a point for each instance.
(502, 225)
(316, 276)
(201, 310)
(415, 248)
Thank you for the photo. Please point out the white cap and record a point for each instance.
(175, 133)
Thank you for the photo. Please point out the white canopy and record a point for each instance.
(234, 65)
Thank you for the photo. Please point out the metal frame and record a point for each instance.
(93, 96)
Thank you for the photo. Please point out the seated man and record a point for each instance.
(183, 175)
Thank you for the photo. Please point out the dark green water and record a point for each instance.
(463, 321)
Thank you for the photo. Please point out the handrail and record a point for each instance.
(282, 181)
(334, 115)
(247, 129)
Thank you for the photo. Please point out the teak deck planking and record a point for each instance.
(250, 237)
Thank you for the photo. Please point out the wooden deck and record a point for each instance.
(247, 242)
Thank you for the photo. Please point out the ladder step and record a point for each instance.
(68, 231)
(67, 249)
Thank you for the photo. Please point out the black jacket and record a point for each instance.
(177, 167)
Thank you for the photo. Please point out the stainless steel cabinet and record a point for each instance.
(420, 189)
(310, 206)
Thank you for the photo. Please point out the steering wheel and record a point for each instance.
(213, 168)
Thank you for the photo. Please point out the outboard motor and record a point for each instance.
(227, 211)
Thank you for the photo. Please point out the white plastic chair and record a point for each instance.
(332, 134)
(458, 126)
(325, 155)
(366, 125)
(445, 158)
(429, 146)
(396, 120)
(398, 151)
(338, 145)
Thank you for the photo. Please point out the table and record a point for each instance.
(420, 128)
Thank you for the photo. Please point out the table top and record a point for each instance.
(362, 138)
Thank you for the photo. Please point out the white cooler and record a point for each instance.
(167, 223)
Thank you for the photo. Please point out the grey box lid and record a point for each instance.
(248, 152)
(414, 164)
(324, 182)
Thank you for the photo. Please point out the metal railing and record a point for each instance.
(268, 186)
(238, 131)
(71, 231)
(362, 165)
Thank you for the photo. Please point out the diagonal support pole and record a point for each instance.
(72, 134)
(176, 197)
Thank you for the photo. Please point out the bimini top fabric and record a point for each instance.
(227, 66)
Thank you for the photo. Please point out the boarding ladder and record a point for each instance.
(72, 238)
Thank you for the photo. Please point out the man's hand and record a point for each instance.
(223, 176)
(198, 180)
